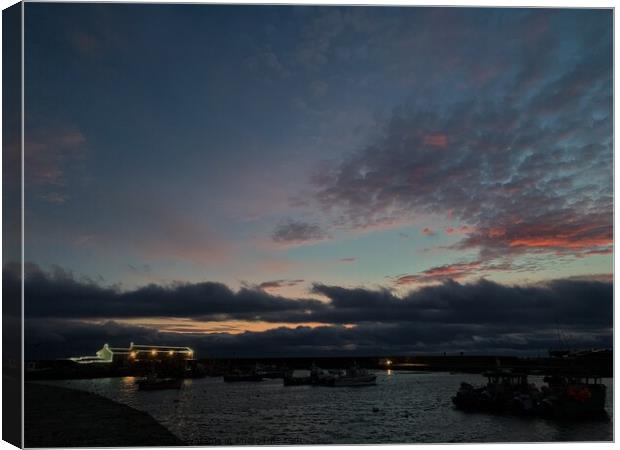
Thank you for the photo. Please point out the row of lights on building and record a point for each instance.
(154, 353)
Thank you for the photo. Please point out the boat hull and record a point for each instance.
(297, 381)
(368, 380)
(575, 401)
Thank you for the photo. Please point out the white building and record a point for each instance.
(135, 352)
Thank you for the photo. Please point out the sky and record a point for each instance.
(295, 180)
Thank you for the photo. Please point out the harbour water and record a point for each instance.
(402, 408)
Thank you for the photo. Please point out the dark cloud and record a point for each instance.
(348, 259)
(483, 303)
(59, 294)
(69, 315)
(277, 284)
(140, 268)
(298, 232)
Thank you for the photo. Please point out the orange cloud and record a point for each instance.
(560, 237)
(566, 242)
(182, 325)
(578, 237)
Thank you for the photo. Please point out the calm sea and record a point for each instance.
(402, 408)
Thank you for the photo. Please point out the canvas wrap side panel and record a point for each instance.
(12, 256)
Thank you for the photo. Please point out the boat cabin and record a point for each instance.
(506, 378)
(568, 379)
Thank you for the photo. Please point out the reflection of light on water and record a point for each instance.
(128, 385)
(390, 371)
(128, 380)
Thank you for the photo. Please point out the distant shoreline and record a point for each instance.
(61, 417)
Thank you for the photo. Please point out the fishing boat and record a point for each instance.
(297, 378)
(152, 382)
(505, 392)
(565, 396)
(573, 396)
(351, 377)
(322, 377)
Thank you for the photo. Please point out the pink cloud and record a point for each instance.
(463, 229)
(440, 273)
(436, 140)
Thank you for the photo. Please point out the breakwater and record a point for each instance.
(598, 363)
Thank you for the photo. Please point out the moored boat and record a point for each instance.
(152, 383)
(353, 376)
(297, 378)
(505, 392)
(565, 396)
(573, 396)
